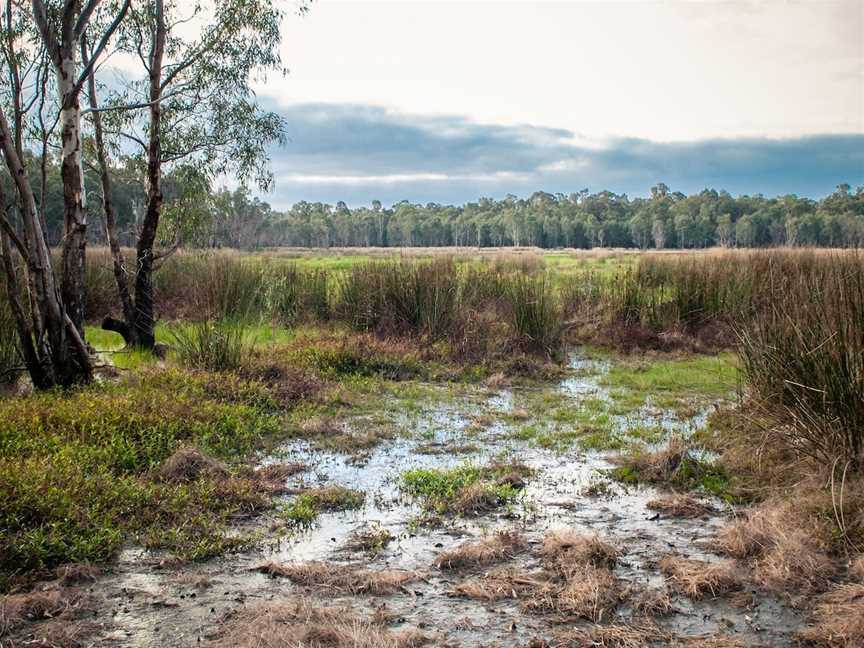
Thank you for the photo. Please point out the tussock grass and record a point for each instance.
(674, 464)
(302, 624)
(804, 359)
(340, 579)
(681, 506)
(635, 634)
(489, 550)
(589, 592)
(211, 345)
(565, 550)
(787, 543)
(465, 490)
(697, 579)
(371, 540)
(838, 619)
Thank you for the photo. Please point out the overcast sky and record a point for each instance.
(446, 102)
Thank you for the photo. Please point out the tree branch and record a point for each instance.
(103, 43)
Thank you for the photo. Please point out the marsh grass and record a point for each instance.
(804, 360)
(212, 345)
(466, 489)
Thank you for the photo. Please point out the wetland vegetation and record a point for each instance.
(607, 450)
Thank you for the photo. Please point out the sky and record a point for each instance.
(450, 101)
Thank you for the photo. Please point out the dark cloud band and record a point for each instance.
(359, 153)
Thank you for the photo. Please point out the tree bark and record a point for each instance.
(144, 320)
(126, 328)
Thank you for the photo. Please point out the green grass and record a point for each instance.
(671, 384)
(463, 490)
(77, 468)
(306, 507)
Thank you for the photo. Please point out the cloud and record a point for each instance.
(359, 153)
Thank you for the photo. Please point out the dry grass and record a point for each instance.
(271, 478)
(370, 540)
(681, 506)
(720, 641)
(653, 602)
(697, 578)
(48, 617)
(566, 550)
(784, 545)
(856, 568)
(588, 593)
(76, 574)
(660, 466)
(838, 618)
(476, 498)
(188, 465)
(343, 579)
(303, 625)
(489, 550)
(500, 584)
(636, 634)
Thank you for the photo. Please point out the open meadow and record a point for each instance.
(448, 448)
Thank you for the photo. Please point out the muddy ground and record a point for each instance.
(145, 600)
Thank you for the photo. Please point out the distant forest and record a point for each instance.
(202, 217)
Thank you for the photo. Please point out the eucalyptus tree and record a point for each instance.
(41, 41)
(192, 105)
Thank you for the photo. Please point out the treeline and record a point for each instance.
(666, 219)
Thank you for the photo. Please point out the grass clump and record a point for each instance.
(336, 578)
(803, 359)
(488, 550)
(304, 510)
(305, 625)
(212, 345)
(838, 618)
(673, 465)
(464, 490)
(371, 540)
(697, 578)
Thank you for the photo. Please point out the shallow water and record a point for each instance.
(152, 606)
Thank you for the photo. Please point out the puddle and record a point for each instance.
(158, 607)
